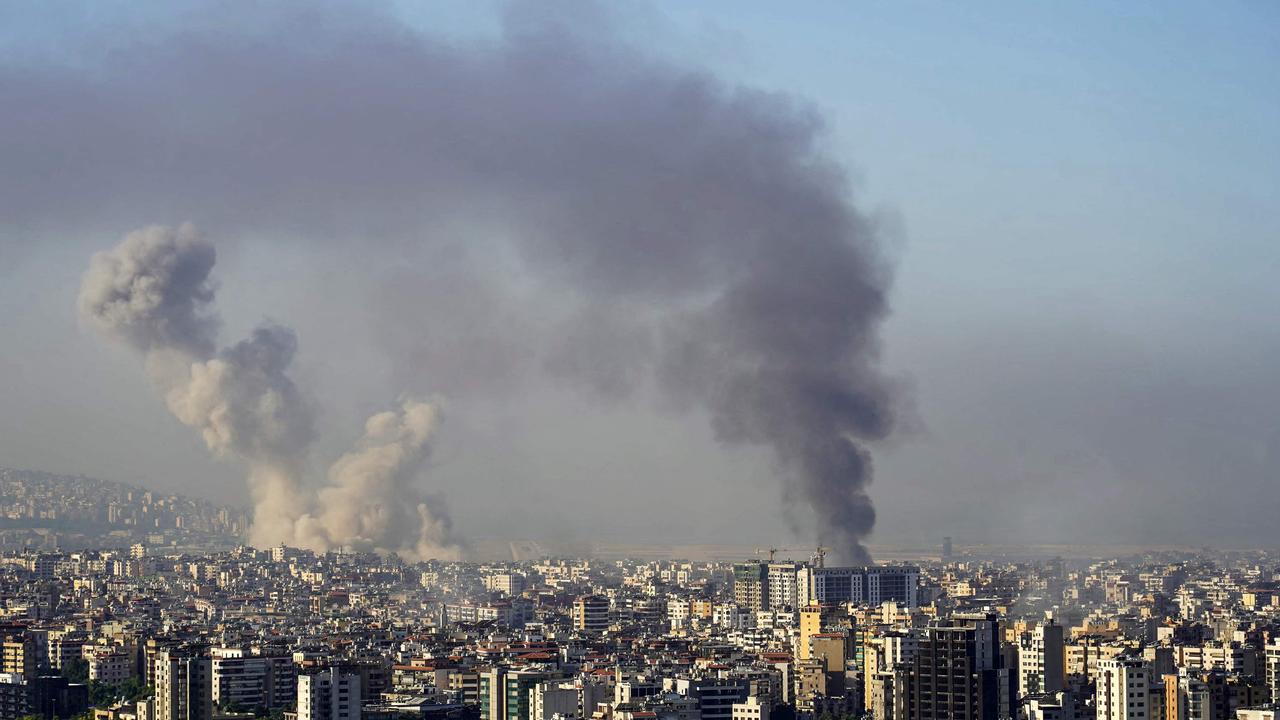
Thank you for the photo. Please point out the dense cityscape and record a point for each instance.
(639, 360)
(155, 633)
(50, 511)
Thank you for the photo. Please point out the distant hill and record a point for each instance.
(41, 508)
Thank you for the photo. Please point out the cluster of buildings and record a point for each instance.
(150, 634)
(40, 510)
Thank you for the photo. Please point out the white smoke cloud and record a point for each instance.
(153, 293)
(246, 407)
(371, 503)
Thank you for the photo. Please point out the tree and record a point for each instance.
(134, 689)
(130, 690)
(76, 670)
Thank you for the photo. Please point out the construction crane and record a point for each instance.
(818, 557)
(772, 552)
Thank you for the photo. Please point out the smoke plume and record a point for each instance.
(667, 231)
(370, 502)
(154, 293)
(246, 407)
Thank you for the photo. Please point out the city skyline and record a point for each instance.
(639, 360)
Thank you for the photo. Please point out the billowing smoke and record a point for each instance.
(667, 232)
(370, 502)
(154, 293)
(245, 406)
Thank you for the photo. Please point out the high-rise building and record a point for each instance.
(550, 699)
(1040, 660)
(19, 650)
(506, 583)
(871, 585)
(1210, 694)
(329, 695)
(508, 693)
(884, 702)
(591, 613)
(822, 675)
(1202, 696)
(899, 648)
(810, 625)
(830, 585)
(956, 674)
(782, 584)
(64, 646)
(110, 665)
(184, 684)
(751, 586)
(832, 649)
(239, 682)
(464, 686)
(1273, 668)
(245, 681)
(1123, 689)
(716, 696)
(892, 583)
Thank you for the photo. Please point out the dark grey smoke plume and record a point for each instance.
(664, 226)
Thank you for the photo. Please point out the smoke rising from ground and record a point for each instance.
(667, 231)
(370, 501)
(246, 407)
(154, 293)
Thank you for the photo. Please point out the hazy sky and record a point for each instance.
(1080, 202)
